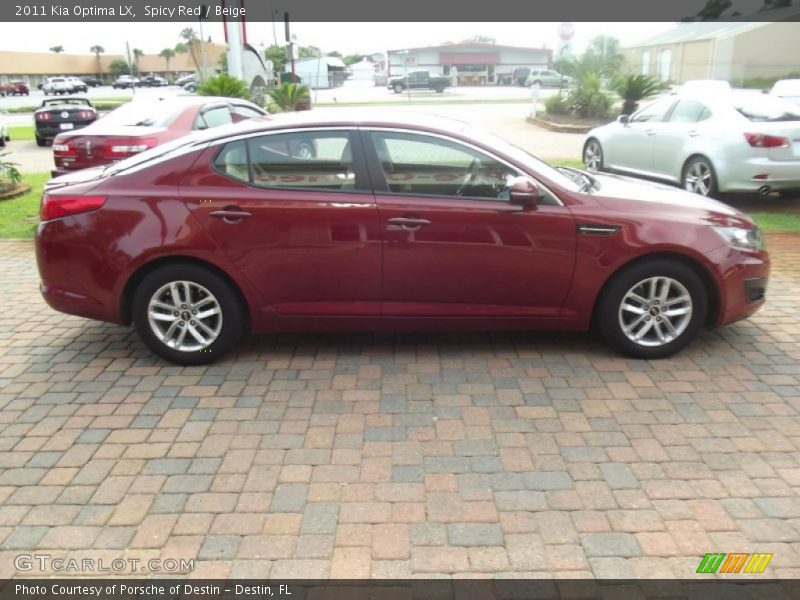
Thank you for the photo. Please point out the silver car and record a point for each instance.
(737, 141)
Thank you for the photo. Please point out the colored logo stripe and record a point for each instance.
(752, 563)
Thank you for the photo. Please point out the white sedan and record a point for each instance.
(4, 134)
(709, 143)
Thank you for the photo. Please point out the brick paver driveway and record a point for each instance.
(387, 456)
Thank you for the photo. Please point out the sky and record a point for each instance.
(347, 38)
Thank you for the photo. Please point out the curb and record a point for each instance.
(561, 128)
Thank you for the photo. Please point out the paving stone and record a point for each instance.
(474, 534)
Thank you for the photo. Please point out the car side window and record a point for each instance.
(213, 117)
(653, 112)
(689, 111)
(316, 160)
(426, 165)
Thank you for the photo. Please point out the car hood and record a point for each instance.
(627, 194)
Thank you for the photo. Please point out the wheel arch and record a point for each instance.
(689, 158)
(126, 298)
(709, 283)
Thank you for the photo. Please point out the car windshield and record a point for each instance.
(68, 101)
(142, 114)
(518, 154)
(763, 107)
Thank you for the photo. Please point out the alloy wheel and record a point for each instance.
(185, 316)
(593, 156)
(699, 178)
(655, 311)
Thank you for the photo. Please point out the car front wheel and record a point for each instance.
(652, 309)
(397, 88)
(187, 314)
(593, 155)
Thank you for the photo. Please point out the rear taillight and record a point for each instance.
(63, 148)
(55, 206)
(124, 147)
(43, 116)
(761, 140)
(85, 114)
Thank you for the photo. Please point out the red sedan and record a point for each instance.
(306, 222)
(143, 124)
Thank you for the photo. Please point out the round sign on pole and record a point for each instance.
(566, 31)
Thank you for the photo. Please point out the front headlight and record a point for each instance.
(749, 239)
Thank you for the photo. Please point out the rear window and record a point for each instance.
(143, 114)
(762, 107)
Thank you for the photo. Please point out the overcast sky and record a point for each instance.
(347, 38)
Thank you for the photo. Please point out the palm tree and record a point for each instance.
(167, 54)
(224, 85)
(97, 51)
(137, 54)
(633, 88)
(291, 96)
(57, 49)
(189, 36)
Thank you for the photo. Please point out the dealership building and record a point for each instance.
(470, 63)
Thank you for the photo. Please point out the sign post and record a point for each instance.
(536, 89)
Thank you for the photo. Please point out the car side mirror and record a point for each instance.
(624, 119)
(524, 193)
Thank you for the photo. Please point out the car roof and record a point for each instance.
(339, 118)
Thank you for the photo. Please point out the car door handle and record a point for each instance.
(407, 223)
(231, 214)
(649, 131)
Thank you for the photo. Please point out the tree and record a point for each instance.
(291, 96)
(352, 59)
(118, 67)
(57, 49)
(277, 54)
(137, 54)
(97, 50)
(335, 54)
(308, 52)
(633, 88)
(603, 56)
(224, 85)
(189, 36)
(181, 48)
(167, 54)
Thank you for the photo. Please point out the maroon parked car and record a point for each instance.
(307, 222)
(143, 124)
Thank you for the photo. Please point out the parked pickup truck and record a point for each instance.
(418, 80)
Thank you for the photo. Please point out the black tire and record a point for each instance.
(40, 141)
(232, 323)
(597, 149)
(608, 319)
(3, 139)
(439, 89)
(398, 88)
(700, 162)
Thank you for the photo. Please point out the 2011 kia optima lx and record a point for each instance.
(312, 222)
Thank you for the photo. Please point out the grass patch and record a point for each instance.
(19, 216)
(777, 222)
(21, 132)
(575, 163)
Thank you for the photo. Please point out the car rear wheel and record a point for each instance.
(397, 88)
(699, 177)
(652, 309)
(40, 141)
(187, 314)
(593, 155)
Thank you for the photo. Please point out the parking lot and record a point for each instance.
(400, 455)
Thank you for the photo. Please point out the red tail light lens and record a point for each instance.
(63, 148)
(124, 147)
(55, 206)
(43, 116)
(761, 140)
(84, 114)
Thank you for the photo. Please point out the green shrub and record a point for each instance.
(587, 99)
(633, 88)
(556, 105)
(291, 96)
(224, 85)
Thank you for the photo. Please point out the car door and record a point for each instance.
(294, 212)
(418, 79)
(631, 145)
(685, 123)
(453, 244)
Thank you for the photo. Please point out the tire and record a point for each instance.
(655, 340)
(222, 329)
(398, 88)
(593, 155)
(3, 139)
(305, 150)
(439, 89)
(40, 141)
(699, 176)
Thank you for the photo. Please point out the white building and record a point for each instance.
(363, 70)
(319, 72)
(476, 63)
